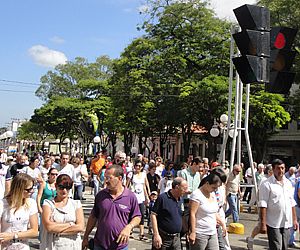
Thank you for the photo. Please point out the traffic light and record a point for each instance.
(281, 60)
(254, 44)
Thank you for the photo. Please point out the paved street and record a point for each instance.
(237, 241)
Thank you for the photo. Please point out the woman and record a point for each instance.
(80, 172)
(47, 189)
(62, 219)
(139, 183)
(204, 214)
(45, 168)
(34, 172)
(18, 214)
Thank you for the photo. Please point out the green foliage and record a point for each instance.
(32, 131)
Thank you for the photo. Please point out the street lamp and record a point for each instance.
(221, 127)
(96, 141)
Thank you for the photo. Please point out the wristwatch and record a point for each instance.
(16, 237)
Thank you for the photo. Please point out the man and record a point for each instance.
(249, 181)
(116, 213)
(233, 192)
(20, 164)
(64, 167)
(277, 207)
(192, 176)
(96, 166)
(166, 217)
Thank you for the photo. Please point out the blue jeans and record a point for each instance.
(78, 192)
(96, 184)
(233, 209)
(292, 231)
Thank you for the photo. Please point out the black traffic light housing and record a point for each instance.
(254, 44)
(281, 60)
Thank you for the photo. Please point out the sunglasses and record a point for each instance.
(29, 189)
(53, 174)
(62, 187)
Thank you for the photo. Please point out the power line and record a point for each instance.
(20, 86)
(20, 82)
(16, 91)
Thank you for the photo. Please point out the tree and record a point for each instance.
(60, 117)
(266, 116)
(32, 131)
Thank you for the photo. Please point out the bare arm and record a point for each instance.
(89, 227)
(125, 233)
(30, 233)
(78, 226)
(52, 226)
(39, 196)
(263, 216)
(193, 209)
(7, 186)
(157, 241)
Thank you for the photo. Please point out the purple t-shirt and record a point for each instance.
(113, 216)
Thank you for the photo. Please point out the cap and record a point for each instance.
(153, 192)
(215, 164)
(140, 155)
(10, 158)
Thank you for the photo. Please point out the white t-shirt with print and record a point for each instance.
(164, 185)
(18, 221)
(206, 220)
(138, 187)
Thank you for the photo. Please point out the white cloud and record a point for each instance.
(46, 57)
(224, 8)
(57, 39)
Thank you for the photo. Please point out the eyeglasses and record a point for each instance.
(53, 174)
(29, 189)
(138, 166)
(62, 187)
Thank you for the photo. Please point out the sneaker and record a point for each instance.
(250, 242)
(143, 238)
(294, 245)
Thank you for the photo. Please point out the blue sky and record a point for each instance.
(38, 34)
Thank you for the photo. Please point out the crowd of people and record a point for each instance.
(40, 196)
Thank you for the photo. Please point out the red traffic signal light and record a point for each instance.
(253, 43)
(281, 60)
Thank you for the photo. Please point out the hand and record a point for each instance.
(192, 238)
(224, 230)
(124, 235)
(157, 242)
(4, 237)
(263, 228)
(85, 243)
(296, 225)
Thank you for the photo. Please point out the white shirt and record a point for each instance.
(3, 172)
(278, 198)
(18, 221)
(164, 185)
(3, 158)
(68, 169)
(248, 175)
(206, 220)
(138, 187)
